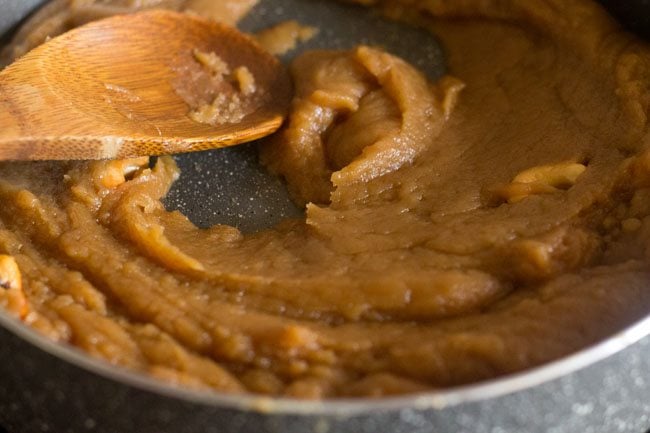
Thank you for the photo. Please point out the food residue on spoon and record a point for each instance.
(235, 91)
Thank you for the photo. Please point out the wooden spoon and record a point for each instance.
(110, 89)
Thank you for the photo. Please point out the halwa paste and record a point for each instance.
(454, 231)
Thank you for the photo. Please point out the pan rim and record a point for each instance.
(345, 407)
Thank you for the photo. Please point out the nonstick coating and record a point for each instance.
(45, 387)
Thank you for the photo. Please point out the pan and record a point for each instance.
(46, 387)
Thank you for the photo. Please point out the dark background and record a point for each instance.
(633, 13)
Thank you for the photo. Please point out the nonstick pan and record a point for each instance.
(46, 387)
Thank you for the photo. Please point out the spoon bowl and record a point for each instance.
(110, 89)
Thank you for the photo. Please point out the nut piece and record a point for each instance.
(12, 297)
(117, 172)
(561, 176)
(543, 179)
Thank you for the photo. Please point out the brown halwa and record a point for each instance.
(454, 231)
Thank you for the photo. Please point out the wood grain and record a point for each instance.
(105, 90)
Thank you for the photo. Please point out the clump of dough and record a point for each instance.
(283, 37)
